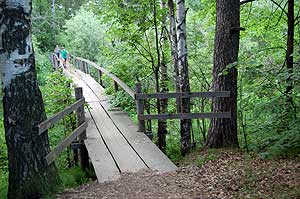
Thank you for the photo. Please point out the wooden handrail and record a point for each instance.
(109, 74)
(212, 94)
(67, 141)
(79, 132)
(45, 125)
(182, 116)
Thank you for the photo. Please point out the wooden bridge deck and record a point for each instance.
(113, 143)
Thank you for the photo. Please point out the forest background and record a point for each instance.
(120, 35)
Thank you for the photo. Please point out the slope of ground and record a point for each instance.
(217, 174)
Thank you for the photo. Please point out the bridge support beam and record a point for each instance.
(83, 153)
(140, 108)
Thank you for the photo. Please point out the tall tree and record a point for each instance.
(289, 53)
(174, 50)
(185, 125)
(162, 124)
(29, 175)
(223, 132)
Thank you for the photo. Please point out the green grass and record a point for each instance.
(73, 177)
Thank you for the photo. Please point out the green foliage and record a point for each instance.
(47, 26)
(121, 99)
(82, 36)
(173, 143)
(72, 177)
(3, 184)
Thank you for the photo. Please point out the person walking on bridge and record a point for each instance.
(64, 56)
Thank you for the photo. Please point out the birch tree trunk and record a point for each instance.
(174, 50)
(53, 15)
(223, 132)
(162, 124)
(183, 75)
(29, 175)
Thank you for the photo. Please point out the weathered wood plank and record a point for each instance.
(147, 150)
(66, 142)
(45, 125)
(140, 108)
(103, 163)
(182, 95)
(184, 116)
(125, 156)
(80, 116)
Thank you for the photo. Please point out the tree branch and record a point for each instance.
(246, 1)
(279, 6)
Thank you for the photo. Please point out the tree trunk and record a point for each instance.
(223, 132)
(53, 28)
(183, 75)
(162, 124)
(289, 55)
(174, 50)
(29, 175)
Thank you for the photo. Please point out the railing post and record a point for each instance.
(100, 77)
(116, 86)
(84, 159)
(140, 108)
(87, 68)
(83, 66)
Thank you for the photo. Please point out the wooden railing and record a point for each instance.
(84, 65)
(139, 97)
(79, 132)
(55, 61)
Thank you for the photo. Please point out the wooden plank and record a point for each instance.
(67, 141)
(87, 92)
(184, 116)
(182, 95)
(45, 125)
(103, 163)
(112, 76)
(125, 156)
(90, 82)
(147, 150)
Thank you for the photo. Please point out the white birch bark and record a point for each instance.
(29, 175)
(12, 59)
(183, 74)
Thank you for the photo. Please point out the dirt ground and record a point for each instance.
(223, 174)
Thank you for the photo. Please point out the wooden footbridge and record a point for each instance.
(113, 143)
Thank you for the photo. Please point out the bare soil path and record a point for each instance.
(221, 174)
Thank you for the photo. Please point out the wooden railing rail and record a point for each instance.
(79, 132)
(45, 125)
(65, 143)
(182, 95)
(84, 64)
